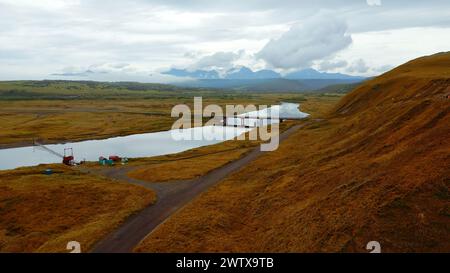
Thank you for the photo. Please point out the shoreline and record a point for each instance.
(24, 144)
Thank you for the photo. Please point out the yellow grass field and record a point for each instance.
(190, 164)
(41, 213)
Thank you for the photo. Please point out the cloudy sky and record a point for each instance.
(136, 40)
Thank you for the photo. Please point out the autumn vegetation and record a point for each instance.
(372, 165)
(376, 169)
(42, 213)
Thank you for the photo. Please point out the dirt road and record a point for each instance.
(171, 197)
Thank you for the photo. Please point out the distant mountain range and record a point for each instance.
(244, 79)
(245, 73)
(197, 74)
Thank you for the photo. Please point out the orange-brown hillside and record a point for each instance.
(378, 168)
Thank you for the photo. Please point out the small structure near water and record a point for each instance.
(67, 159)
(111, 160)
(105, 161)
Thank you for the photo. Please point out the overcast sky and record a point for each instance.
(136, 40)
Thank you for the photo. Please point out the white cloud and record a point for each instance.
(359, 66)
(314, 39)
(374, 2)
(112, 72)
(95, 69)
(328, 65)
(218, 61)
(39, 38)
(383, 68)
(395, 47)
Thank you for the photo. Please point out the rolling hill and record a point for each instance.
(376, 168)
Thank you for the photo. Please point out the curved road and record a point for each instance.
(171, 197)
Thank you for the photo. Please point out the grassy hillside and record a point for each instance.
(377, 169)
(340, 88)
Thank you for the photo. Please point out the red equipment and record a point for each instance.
(68, 158)
(114, 158)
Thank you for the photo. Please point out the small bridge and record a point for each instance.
(247, 121)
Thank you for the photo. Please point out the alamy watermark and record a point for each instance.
(242, 122)
(74, 247)
(374, 247)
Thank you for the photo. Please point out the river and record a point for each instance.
(138, 145)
